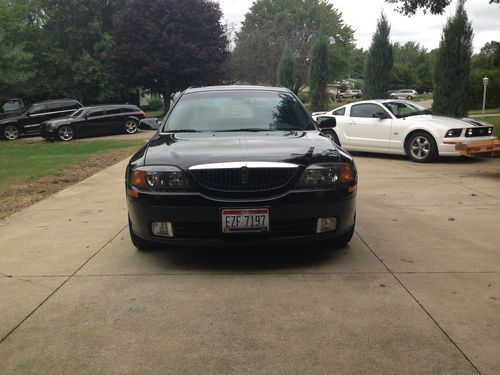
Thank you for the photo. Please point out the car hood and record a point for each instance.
(60, 121)
(189, 149)
(449, 122)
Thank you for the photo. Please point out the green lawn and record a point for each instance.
(155, 114)
(422, 97)
(23, 162)
(478, 112)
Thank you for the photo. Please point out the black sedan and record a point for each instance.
(240, 164)
(94, 121)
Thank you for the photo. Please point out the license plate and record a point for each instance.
(250, 220)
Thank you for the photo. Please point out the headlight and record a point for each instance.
(160, 178)
(453, 133)
(326, 175)
(490, 131)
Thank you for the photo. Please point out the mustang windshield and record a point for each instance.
(77, 113)
(406, 109)
(237, 110)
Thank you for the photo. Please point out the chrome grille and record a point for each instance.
(244, 179)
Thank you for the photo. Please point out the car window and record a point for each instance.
(77, 113)
(11, 106)
(339, 112)
(38, 109)
(114, 111)
(70, 105)
(96, 113)
(234, 110)
(366, 110)
(128, 110)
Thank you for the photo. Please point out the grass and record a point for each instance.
(422, 97)
(25, 162)
(478, 112)
(155, 114)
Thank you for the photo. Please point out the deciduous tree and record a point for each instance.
(410, 7)
(168, 45)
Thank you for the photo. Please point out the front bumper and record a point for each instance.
(196, 219)
(447, 147)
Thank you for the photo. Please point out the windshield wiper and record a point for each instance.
(184, 131)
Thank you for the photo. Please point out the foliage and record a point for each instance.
(412, 67)
(271, 24)
(155, 104)
(410, 7)
(380, 61)
(318, 74)
(14, 58)
(477, 88)
(303, 96)
(357, 63)
(452, 69)
(488, 57)
(174, 45)
(286, 75)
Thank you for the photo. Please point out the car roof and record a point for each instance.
(235, 88)
(56, 101)
(107, 106)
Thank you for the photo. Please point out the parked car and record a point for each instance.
(94, 121)
(404, 128)
(238, 165)
(29, 121)
(404, 94)
(150, 124)
(11, 108)
(350, 94)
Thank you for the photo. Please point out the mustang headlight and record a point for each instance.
(160, 178)
(453, 133)
(326, 175)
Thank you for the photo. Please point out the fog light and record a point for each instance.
(162, 229)
(327, 224)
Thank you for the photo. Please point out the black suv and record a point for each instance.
(29, 121)
(94, 121)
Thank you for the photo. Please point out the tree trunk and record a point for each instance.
(166, 101)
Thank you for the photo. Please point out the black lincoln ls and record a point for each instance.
(240, 164)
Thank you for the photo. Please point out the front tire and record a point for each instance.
(421, 147)
(65, 133)
(131, 126)
(409, 98)
(11, 132)
(138, 242)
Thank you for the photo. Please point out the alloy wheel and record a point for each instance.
(420, 147)
(66, 133)
(131, 126)
(11, 133)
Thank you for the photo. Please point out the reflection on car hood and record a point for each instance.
(188, 149)
(449, 122)
(60, 121)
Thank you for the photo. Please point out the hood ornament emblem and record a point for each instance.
(244, 176)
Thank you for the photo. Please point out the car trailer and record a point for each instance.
(486, 149)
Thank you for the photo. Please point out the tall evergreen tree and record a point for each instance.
(380, 61)
(453, 64)
(286, 74)
(318, 74)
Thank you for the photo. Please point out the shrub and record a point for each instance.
(155, 104)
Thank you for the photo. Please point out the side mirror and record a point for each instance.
(326, 122)
(381, 115)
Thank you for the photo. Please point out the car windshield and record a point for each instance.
(406, 109)
(242, 110)
(77, 113)
(11, 106)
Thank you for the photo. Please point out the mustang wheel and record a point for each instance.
(131, 126)
(11, 132)
(409, 97)
(65, 133)
(421, 148)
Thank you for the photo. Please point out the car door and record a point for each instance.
(114, 120)
(365, 130)
(30, 123)
(93, 123)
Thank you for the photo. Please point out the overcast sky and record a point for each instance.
(362, 16)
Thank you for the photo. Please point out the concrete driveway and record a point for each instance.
(417, 290)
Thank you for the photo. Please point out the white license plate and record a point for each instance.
(246, 220)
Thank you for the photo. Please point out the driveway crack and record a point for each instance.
(420, 304)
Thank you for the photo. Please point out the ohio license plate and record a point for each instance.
(249, 220)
